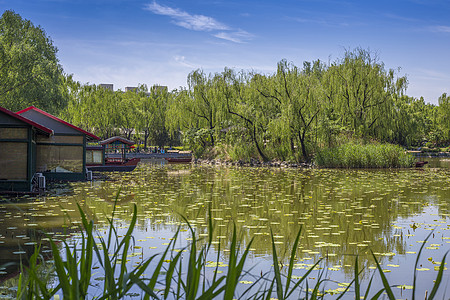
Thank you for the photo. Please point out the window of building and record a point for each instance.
(13, 161)
(61, 159)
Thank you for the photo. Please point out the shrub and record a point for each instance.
(356, 155)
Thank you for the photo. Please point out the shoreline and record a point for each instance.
(251, 163)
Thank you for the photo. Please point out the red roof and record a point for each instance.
(116, 138)
(59, 120)
(25, 120)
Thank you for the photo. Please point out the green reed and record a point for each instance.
(356, 155)
(169, 278)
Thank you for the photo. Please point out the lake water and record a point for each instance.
(342, 214)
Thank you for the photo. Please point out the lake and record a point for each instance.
(341, 213)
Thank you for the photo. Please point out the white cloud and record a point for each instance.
(186, 20)
(444, 29)
(200, 23)
(181, 60)
(434, 75)
(330, 22)
(236, 37)
(400, 18)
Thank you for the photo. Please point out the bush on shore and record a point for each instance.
(356, 155)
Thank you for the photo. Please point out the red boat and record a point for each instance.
(97, 156)
(178, 159)
(420, 164)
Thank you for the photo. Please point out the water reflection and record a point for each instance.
(434, 162)
(342, 213)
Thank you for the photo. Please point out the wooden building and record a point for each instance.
(18, 136)
(62, 155)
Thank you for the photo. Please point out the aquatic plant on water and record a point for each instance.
(168, 276)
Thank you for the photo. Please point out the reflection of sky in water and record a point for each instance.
(398, 267)
(343, 214)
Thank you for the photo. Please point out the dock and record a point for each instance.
(158, 156)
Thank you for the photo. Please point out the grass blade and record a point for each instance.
(417, 262)
(276, 268)
(438, 278)
(357, 285)
(368, 287)
(303, 277)
(383, 279)
(291, 262)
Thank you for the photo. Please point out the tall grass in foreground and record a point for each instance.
(169, 276)
(355, 155)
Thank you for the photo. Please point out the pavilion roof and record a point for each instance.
(37, 110)
(39, 127)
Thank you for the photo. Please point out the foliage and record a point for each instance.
(291, 113)
(284, 115)
(361, 91)
(297, 100)
(287, 115)
(140, 114)
(195, 140)
(356, 155)
(30, 73)
(444, 117)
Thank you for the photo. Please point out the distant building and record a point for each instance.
(107, 86)
(160, 88)
(156, 88)
(130, 89)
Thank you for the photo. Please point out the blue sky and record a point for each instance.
(127, 42)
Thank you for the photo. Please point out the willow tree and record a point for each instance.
(407, 122)
(249, 112)
(30, 73)
(444, 117)
(298, 95)
(93, 108)
(362, 92)
(197, 111)
(127, 106)
(151, 115)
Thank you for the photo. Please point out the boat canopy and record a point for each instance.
(117, 140)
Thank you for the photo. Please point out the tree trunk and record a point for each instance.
(303, 145)
(146, 134)
(261, 154)
(211, 135)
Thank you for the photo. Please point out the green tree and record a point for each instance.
(151, 115)
(197, 112)
(93, 108)
(362, 90)
(408, 121)
(298, 95)
(30, 73)
(444, 117)
(250, 112)
(127, 112)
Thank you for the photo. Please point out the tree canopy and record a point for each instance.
(289, 114)
(30, 73)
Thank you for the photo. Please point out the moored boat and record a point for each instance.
(178, 159)
(126, 166)
(97, 158)
(420, 164)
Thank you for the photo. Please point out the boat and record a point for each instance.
(178, 159)
(420, 164)
(103, 157)
(113, 166)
